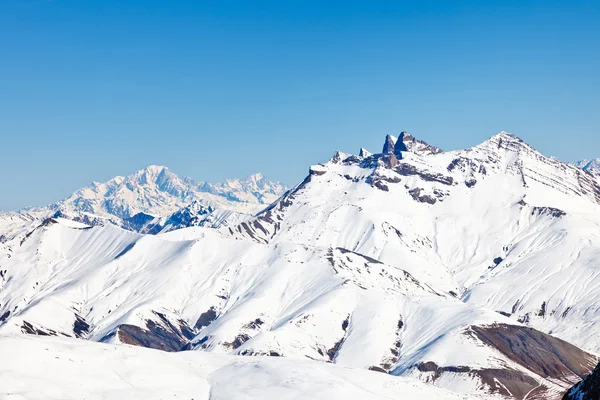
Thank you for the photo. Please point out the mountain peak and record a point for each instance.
(507, 136)
(158, 175)
(364, 152)
(407, 143)
(388, 145)
(507, 141)
(400, 146)
(256, 177)
(153, 170)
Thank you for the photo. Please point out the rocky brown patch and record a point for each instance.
(540, 353)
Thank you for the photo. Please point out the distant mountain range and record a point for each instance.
(154, 199)
(589, 165)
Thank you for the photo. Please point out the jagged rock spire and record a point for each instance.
(388, 146)
(400, 143)
(364, 152)
(407, 142)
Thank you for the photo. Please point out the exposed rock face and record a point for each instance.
(388, 145)
(364, 152)
(189, 216)
(407, 142)
(506, 382)
(545, 366)
(161, 334)
(542, 354)
(401, 145)
(140, 222)
(587, 389)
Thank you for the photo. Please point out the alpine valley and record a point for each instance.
(408, 273)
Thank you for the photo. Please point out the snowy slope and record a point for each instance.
(42, 368)
(13, 224)
(145, 200)
(174, 292)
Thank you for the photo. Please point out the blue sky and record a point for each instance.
(90, 89)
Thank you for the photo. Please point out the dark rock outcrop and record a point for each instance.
(587, 389)
(407, 142)
(542, 355)
(388, 145)
(80, 327)
(161, 334)
(400, 145)
(538, 352)
(507, 382)
(411, 170)
(206, 318)
(139, 222)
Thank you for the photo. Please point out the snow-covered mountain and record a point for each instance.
(473, 271)
(145, 200)
(589, 165)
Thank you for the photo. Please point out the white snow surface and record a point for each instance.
(37, 368)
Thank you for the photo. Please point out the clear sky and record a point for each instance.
(90, 89)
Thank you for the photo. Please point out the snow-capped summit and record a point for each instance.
(507, 141)
(364, 152)
(154, 190)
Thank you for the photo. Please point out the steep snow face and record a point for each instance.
(589, 165)
(46, 368)
(145, 200)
